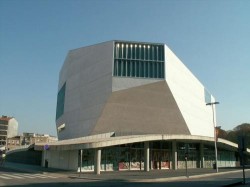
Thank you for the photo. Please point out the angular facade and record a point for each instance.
(130, 88)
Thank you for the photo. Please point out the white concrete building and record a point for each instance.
(130, 88)
(132, 105)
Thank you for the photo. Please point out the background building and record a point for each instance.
(8, 129)
(21, 148)
(28, 139)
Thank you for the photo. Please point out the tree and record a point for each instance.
(240, 130)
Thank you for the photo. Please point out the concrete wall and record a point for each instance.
(123, 83)
(189, 95)
(87, 72)
(67, 160)
(147, 109)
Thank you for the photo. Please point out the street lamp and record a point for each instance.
(215, 138)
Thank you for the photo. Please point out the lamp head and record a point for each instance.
(213, 103)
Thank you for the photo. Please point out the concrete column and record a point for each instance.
(97, 168)
(146, 156)
(174, 155)
(201, 155)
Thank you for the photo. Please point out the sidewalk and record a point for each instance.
(129, 176)
(154, 175)
(35, 169)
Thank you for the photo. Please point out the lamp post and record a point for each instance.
(215, 138)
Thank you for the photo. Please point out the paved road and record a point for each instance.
(10, 177)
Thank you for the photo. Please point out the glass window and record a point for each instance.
(153, 53)
(120, 51)
(133, 69)
(119, 68)
(137, 69)
(156, 53)
(146, 52)
(162, 53)
(117, 51)
(162, 70)
(149, 52)
(151, 69)
(126, 52)
(123, 51)
(133, 51)
(143, 52)
(140, 52)
(124, 68)
(146, 69)
(141, 69)
(137, 48)
(155, 69)
(128, 68)
(129, 51)
(139, 60)
(115, 68)
(60, 101)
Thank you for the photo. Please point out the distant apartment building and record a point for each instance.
(14, 142)
(8, 129)
(31, 138)
(28, 139)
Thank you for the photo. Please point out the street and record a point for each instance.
(10, 177)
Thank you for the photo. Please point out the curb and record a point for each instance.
(183, 177)
(165, 179)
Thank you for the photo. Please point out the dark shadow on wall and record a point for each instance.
(26, 157)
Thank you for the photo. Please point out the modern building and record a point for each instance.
(126, 105)
(8, 128)
(130, 88)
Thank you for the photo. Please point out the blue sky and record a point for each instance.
(210, 37)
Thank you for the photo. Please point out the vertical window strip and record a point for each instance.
(115, 68)
(133, 68)
(139, 60)
(162, 70)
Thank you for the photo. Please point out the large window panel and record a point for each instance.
(124, 72)
(142, 69)
(137, 69)
(119, 72)
(137, 51)
(153, 53)
(138, 60)
(162, 70)
(115, 67)
(146, 69)
(128, 68)
(133, 51)
(60, 101)
(151, 70)
(129, 51)
(133, 69)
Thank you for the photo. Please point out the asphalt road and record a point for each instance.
(15, 178)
